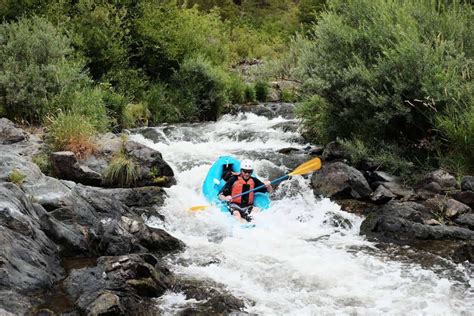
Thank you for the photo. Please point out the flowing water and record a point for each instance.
(305, 255)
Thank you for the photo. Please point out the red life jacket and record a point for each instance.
(238, 187)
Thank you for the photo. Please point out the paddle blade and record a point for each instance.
(198, 208)
(307, 167)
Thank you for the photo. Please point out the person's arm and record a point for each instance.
(267, 186)
(224, 194)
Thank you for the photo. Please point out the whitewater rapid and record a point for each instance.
(305, 255)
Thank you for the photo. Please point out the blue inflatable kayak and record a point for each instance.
(214, 183)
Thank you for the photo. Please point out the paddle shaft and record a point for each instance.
(263, 185)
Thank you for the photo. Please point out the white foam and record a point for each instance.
(294, 262)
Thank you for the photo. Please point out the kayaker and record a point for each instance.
(242, 207)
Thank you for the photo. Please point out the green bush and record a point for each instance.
(261, 91)
(249, 93)
(235, 87)
(71, 131)
(41, 159)
(99, 33)
(37, 64)
(135, 114)
(164, 105)
(385, 70)
(203, 87)
(182, 33)
(122, 171)
(457, 127)
(88, 101)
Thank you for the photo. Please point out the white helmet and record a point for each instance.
(246, 164)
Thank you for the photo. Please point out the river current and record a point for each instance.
(305, 255)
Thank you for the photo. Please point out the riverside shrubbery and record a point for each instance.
(395, 73)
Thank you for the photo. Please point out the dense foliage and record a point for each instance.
(392, 72)
(387, 77)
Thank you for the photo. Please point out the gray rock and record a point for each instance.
(466, 220)
(151, 164)
(66, 166)
(106, 304)
(287, 126)
(338, 180)
(446, 206)
(28, 261)
(128, 281)
(153, 134)
(335, 151)
(9, 133)
(382, 195)
(467, 183)
(465, 197)
(445, 180)
(396, 228)
(402, 192)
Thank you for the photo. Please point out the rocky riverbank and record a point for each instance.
(71, 248)
(77, 244)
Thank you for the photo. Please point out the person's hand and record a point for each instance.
(228, 198)
(267, 183)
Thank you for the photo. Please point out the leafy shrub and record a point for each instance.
(122, 171)
(249, 93)
(99, 32)
(202, 85)
(458, 129)
(16, 177)
(288, 95)
(183, 33)
(36, 65)
(380, 82)
(261, 91)
(163, 104)
(71, 131)
(135, 114)
(235, 87)
(88, 101)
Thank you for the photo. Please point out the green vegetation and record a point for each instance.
(393, 73)
(71, 131)
(122, 171)
(393, 78)
(16, 177)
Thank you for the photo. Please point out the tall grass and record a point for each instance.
(72, 132)
(122, 171)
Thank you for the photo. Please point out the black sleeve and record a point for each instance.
(259, 183)
(227, 188)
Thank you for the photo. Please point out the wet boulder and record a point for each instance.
(340, 181)
(466, 220)
(119, 284)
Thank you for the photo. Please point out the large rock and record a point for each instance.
(338, 180)
(446, 207)
(152, 165)
(466, 220)
(29, 260)
(467, 183)
(438, 180)
(9, 133)
(119, 284)
(465, 197)
(66, 166)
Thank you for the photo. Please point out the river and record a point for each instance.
(305, 255)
